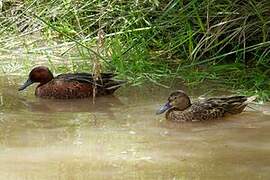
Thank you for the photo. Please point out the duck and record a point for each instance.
(70, 85)
(180, 109)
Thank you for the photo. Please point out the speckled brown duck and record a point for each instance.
(71, 85)
(180, 109)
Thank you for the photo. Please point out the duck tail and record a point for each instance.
(251, 99)
(113, 85)
(238, 103)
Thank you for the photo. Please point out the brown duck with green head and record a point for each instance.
(180, 109)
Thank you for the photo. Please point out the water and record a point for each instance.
(121, 138)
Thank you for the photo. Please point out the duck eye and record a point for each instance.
(172, 98)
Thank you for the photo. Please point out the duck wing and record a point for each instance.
(86, 77)
(232, 104)
(106, 84)
(215, 108)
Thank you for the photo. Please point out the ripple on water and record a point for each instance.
(121, 137)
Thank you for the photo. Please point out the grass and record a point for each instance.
(223, 41)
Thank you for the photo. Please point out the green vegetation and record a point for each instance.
(221, 41)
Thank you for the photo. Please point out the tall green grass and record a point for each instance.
(225, 41)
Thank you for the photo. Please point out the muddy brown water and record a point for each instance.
(120, 137)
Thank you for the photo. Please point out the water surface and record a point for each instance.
(120, 137)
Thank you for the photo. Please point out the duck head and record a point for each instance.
(178, 100)
(40, 74)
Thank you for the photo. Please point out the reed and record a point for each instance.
(224, 41)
